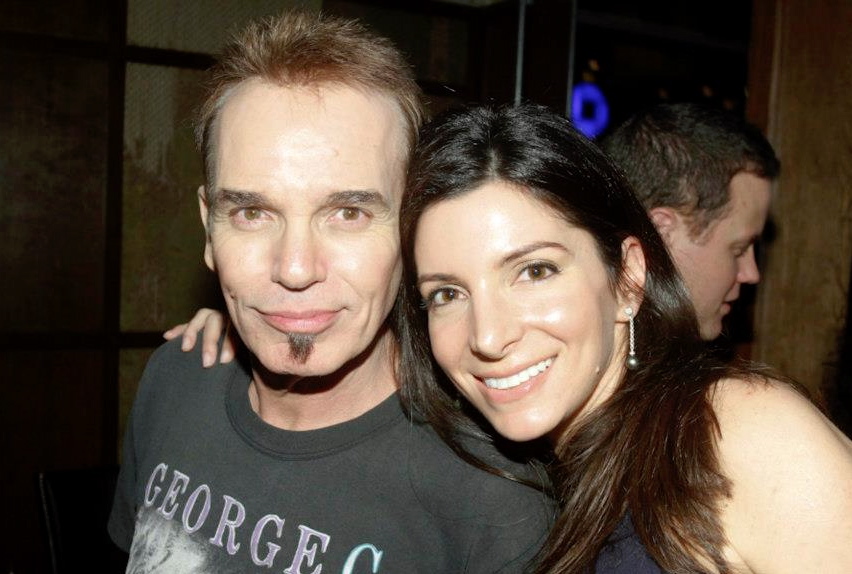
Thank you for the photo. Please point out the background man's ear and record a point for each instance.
(204, 212)
(666, 220)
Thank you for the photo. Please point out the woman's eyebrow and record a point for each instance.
(436, 277)
(507, 259)
(529, 248)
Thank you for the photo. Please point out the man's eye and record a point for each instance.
(251, 213)
(245, 215)
(741, 250)
(350, 213)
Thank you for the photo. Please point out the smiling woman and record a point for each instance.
(531, 331)
(531, 274)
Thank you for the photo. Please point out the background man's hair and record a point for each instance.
(684, 155)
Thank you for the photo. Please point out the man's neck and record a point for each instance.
(309, 403)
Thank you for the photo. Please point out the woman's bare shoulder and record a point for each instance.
(791, 475)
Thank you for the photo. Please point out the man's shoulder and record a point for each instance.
(170, 354)
(172, 374)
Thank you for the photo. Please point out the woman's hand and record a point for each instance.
(213, 323)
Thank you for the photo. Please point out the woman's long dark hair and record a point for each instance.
(649, 451)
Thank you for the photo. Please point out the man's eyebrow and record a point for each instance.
(357, 197)
(240, 198)
(750, 240)
(339, 198)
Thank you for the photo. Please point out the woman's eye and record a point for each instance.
(440, 297)
(538, 271)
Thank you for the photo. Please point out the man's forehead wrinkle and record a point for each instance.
(320, 140)
(305, 142)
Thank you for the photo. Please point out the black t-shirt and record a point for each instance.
(207, 486)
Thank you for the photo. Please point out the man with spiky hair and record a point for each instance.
(300, 457)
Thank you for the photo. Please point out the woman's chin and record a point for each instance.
(521, 431)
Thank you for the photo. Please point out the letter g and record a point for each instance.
(150, 498)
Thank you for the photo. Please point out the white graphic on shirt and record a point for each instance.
(167, 538)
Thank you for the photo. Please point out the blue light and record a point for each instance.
(589, 109)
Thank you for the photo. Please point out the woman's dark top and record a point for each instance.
(624, 553)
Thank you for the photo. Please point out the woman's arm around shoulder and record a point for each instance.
(211, 324)
(791, 473)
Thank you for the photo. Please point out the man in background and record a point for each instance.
(705, 177)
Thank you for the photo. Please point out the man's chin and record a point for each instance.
(304, 379)
(301, 346)
(285, 364)
(711, 330)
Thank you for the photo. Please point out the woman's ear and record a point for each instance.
(631, 287)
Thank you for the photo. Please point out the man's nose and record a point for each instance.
(297, 258)
(747, 271)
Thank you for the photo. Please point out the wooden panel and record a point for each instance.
(436, 42)
(802, 300)
(197, 26)
(52, 177)
(163, 276)
(82, 19)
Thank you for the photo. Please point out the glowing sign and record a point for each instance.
(589, 109)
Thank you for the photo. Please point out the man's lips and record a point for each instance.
(312, 321)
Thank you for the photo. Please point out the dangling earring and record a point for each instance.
(632, 359)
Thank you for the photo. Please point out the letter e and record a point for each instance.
(303, 552)
(178, 486)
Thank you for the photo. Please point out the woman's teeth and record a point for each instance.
(518, 378)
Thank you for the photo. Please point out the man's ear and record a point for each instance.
(205, 211)
(632, 285)
(667, 220)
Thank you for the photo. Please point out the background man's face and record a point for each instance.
(303, 228)
(718, 261)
